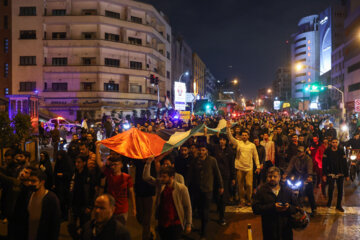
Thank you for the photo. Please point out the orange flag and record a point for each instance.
(135, 144)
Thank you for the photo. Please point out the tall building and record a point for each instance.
(282, 84)
(352, 54)
(210, 85)
(305, 50)
(86, 57)
(337, 76)
(181, 62)
(199, 76)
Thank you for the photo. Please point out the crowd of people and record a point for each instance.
(91, 187)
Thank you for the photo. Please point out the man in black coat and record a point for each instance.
(225, 158)
(275, 204)
(104, 226)
(335, 168)
(43, 209)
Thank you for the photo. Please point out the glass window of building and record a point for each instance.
(27, 34)
(27, 11)
(27, 60)
(27, 86)
(59, 61)
(59, 87)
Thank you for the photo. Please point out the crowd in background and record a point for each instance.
(90, 187)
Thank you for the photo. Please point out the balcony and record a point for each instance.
(100, 69)
(101, 43)
(96, 19)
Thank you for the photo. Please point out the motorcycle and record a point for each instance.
(354, 164)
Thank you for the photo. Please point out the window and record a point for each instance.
(300, 74)
(27, 11)
(299, 54)
(300, 39)
(354, 87)
(112, 62)
(59, 12)
(27, 86)
(168, 37)
(86, 86)
(112, 14)
(135, 41)
(301, 46)
(59, 61)
(45, 86)
(354, 67)
(136, 19)
(27, 60)
(88, 35)
(6, 22)
(88, 61)
(135, 88)
(135, 65)
(168, 74)
(28, 34)
(6, 2)
(89, 12)
(112, 37)
(111, 87)
(6, 70)
(59, 87)
(6, 45)
(59, 35)
(168, 55)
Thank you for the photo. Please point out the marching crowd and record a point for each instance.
(242, 166)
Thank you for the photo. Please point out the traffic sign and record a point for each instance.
(190, 97)
(357, 105)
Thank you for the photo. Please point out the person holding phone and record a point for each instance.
(275, 204)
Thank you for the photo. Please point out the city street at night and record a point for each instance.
(179, 120)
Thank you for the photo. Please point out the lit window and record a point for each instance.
(309, 42)
(309, 48)
(309, 54)
(309, 73)
(309, 80)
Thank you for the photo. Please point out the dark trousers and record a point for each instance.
(77, 213)
(223, 199)
(309, 192)
(340, 188)
(144, 211)
(201, 201)
(170, 233)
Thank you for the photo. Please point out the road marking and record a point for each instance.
(319, 210)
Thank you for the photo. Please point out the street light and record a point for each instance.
(235, 81)
(343, 110)
(184, 73)
(269, 90)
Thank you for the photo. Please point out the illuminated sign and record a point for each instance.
(180, 95)
(325, 41)
(277, 105)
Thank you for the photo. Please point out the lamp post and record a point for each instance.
(184, 73)
(343, 110)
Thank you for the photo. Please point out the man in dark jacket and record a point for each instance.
(225, 158)
(262, 154)
(82, 191)
(43, 209)
(183, 161)
(335, 169)
(301, 166)
(275, 204)
(203, 172)
(104, 226)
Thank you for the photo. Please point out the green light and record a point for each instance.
(322, 88)
(307, 88)
(314, 87)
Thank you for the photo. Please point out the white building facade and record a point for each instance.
(305, 50)
(86, 58)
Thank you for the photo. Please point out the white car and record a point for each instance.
(70, 127)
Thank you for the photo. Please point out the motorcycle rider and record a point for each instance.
(301, 165)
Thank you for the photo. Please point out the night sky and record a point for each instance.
(249, 35)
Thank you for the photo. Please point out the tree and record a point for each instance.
(6, 131)
(23, 128)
